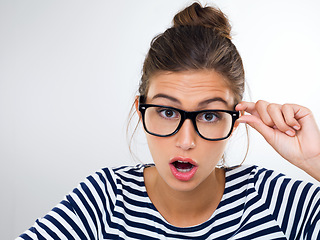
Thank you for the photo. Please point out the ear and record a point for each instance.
(136, 104)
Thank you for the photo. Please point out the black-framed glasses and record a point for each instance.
(165, 121)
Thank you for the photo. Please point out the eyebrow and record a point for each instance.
(201, 104)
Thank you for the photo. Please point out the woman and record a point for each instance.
(190, 103)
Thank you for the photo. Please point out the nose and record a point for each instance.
(186, 137)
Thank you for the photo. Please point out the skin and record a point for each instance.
(188, 203)
(202, 194)
(290, 129)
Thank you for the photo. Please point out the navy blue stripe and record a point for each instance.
(271, 190)
(243, 172)
(259, 221)
(262, 187)
(104, 203)
(304, 226)
(118, 169)
(207, 234)
(80, 211)
(48, 230)
(39, 236)
(136, 170)
(225, 214)
(67, 205)
(261, 233)
(136, 202)
(89, 195)
(234, 198)
(298, 214)
(107, 191)
(221, 215)
(109, 178)
(280, 194)
(35, 231)
(136, 225)
(290, 200)
(139, 182)
(106, 187)
(232, 210)
(94, 203)
(144, 215)
(67, 218)
(62, 229)
(108, 219)
(314, 224)
(25, 236)
(231, 188)
(133, 191)
(110, 223)
(257, 209)
(311, 225)
(221, 227)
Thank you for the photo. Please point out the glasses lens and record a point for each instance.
(214, 124)
(161, 120)
(210, 124)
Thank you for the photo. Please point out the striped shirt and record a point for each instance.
(113, 204)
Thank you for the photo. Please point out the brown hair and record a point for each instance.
(199, 39)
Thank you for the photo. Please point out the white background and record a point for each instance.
(69, 71)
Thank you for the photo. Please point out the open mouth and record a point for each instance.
(182, 166)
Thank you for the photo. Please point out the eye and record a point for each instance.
(209, 117)
(168, 113)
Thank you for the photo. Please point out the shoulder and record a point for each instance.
(104, 185)
(274, 189)
(265, 180)
(293, 205)
(112, 177)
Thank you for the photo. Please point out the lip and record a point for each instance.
(184, 159)
(183, 176)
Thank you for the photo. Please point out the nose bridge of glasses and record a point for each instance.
(188, 115)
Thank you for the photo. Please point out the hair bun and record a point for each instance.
(210, 17)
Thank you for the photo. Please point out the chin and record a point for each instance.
(183, 186)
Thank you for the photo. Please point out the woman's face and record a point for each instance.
(189, 91)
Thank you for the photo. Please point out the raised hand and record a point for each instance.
(290, 129)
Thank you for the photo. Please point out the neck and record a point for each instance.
(186, 208)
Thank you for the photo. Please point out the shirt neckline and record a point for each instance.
(183, 229)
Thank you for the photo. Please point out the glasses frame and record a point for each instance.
(187, 115)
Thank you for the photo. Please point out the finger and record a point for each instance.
(256, 123)
(248, 107)
(262, 109)
(288, 112)
(300, 112)
(275, 113)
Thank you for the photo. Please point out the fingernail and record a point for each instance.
(296, 127)
(290, 133)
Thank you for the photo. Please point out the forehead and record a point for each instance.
(190, 87)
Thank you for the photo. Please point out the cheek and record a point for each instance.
(212, 150)
(163, 148)
(158, 146)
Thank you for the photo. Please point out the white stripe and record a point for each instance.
(220, 222)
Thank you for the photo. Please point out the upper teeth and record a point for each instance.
(182, 161)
